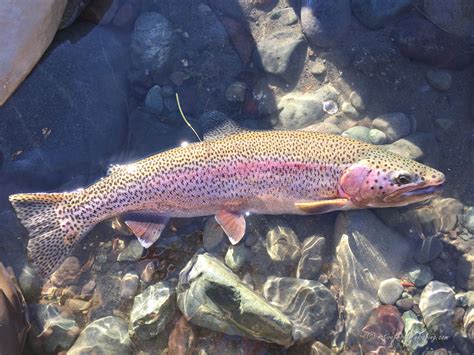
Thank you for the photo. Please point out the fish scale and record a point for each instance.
(266, 172)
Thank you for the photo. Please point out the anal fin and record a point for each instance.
(232, 224)
(147, 227)
(322, 206)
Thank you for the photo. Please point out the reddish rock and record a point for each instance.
(182, 338)
(68, 272)
(240, 37)
(382, 331)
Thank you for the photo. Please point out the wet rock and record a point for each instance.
(68, 272)
(65, 142)
(211, 296)
(283, 245)
(129, 285)
(469, 324)
(465, 299)
(394, 125)
(318, 348)
(300, 109)
(382, 330)
(237, 256)
(235, 92)
(405, 304)
(77, 305)
(390, 291)
(54, 329)
(151, 48)
(14, 316)
(437, 304)
(323, 127)
(309, 304)
(376, 14)
(463, 344)
(376, 136)
(152, 310)
(357, 101)
(72, 12)
(284, 16)
(282, 53)
(132, 252)
(430, 249)
(349, 110)
(318, 68)
(182, 338)
(465, 272)
(456, 17)
(88, 289)
(107, 335)
(447, 212)
(30, 283)
(342, 122)
(420, 275)
(414, 335)
(29, 35)
(468, 219)
(148, 273)
(419, 146)
(311, 261)
(324, 21)
(421, 40)
(439, 79)
(154, 100)
(363, 260)
(359, 133)
(214, 238)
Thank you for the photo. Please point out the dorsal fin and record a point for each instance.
(216, 124)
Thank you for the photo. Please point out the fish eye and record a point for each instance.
(403, 179)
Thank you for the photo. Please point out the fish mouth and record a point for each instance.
(416, 193)
(429, 190)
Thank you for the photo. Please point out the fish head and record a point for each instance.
(385, 179)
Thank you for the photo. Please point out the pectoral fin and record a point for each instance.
(147, 228)
(322, 206)
(232, 224)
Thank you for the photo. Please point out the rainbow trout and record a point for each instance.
(266, 172)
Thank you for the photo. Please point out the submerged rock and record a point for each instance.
(325, 21)
(151, 48)
(382, 331)
(367, 252)
(421, 40)
(390, 291)
(437, 304)
(309, 304)
(129, 285)
(455, 16)
(152, 310)
(415, 334)
(439, 79)
(395, 126)
(14, 317)
(281, 49)
(211, 296)
(376, 14)
(132, 252)
(283, 245)
(301, 109)
(107, 335)
(53, 329)
(420, 275)
(311, 260)
(465, 272)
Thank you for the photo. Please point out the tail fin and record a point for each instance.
(53, 229)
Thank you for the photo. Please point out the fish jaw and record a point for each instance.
(389, 181)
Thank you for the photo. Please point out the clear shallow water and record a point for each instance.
(105, 93)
